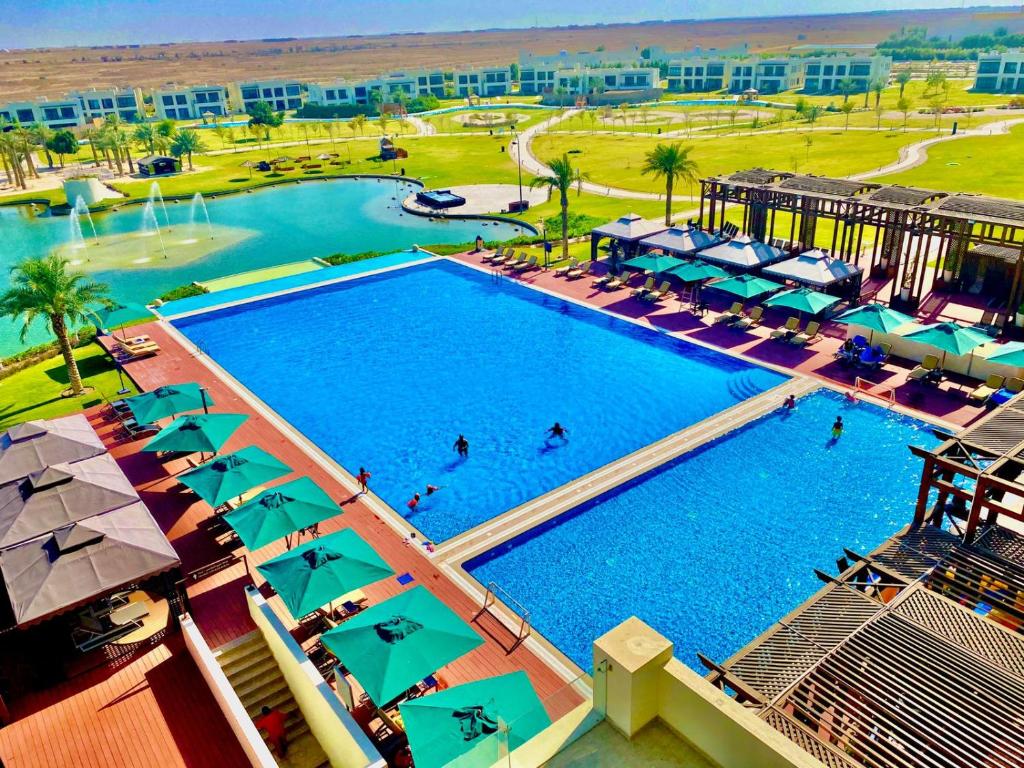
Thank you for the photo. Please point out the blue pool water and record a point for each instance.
(712, 548)
(386, 371)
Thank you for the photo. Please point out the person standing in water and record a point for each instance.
(462, 446)
(557, 430)
(837, 428)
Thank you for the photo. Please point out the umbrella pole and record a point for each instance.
(202, 394)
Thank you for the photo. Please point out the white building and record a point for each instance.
(279, 94)
(697, 75)
(331, 93)
(99, 103)
(823, 74)
(190, 102)
(57, 114)
(765, 75)
(536, 79)
(584, 80)
(483, 81)
(1000, 72)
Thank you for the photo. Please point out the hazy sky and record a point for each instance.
(35, 23)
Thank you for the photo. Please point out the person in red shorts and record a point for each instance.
(272, 721)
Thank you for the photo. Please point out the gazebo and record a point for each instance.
(743, 254)
(625, 233)
(680, 241)
(816, 269)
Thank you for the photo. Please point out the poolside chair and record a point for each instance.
(807, 336)
(791, 328)
(928, 366)
(603, 280)
(499, 253)
(731, 315)
(750, 321)
(663, 290)
(528, 266)
(501, 258)
(647, 287)
(581, 270)
(511, 265)
(622, 281)
(992, 384)
(1012, 387)
(564, 270)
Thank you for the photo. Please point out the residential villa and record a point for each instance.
(823, 74)
(331, 93)
(190, 102)
(1000, 72)
(279, 94)
(772, 75)
(62, 113)
(698, 74)
(608, 79)
(483, 81)
(100, 103)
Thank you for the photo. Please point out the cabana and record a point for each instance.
(625, 234)
(742, 254)
(36, 445)
(157, 165)
(680, 241)
(816, 269)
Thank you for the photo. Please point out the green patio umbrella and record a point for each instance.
(197, 433)
(695, 271)
(949, 338)
(394, 645)
(166, 401)
(1011, 353)
(746, 286)
(653, 262)
(280, 511)
(113, 315)
(803, 300)
(874, 317)
(324, 569)
(475, 724)
(232, 475)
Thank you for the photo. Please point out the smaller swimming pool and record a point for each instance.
(714, 547)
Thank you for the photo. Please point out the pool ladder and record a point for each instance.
(497, 275)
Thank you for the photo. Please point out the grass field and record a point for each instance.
(35, 393)
(451, 122)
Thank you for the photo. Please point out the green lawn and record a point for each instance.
(451, 123)
(992, 165)
(35, 393)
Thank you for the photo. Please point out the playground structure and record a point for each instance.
(388, 150)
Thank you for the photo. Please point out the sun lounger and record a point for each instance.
(528, 266)
(927, 368)
(603, 280)
(663, 290)
(750, 321)
(580, 271)
(808, 335)
(564, 270)
(622, 281)
(133, 430)
(1012, 387)
(647, 287)
(731, 315)
(500, 258)
(992, 385)
(498, 253)
(511, 264)
(791, 327)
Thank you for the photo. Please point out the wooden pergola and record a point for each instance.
(923, 238)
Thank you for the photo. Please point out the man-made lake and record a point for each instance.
(259, 229)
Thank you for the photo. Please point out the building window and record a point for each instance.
(67, 112)
(180, 99)
(167, 100)
(292, 90)
(250, 93)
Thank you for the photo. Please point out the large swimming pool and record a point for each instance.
(712, 548)
(385, 372)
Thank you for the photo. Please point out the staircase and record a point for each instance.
(256, 678)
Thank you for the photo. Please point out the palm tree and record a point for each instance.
(91, 135)
(41, 135)
(186, 142)
(846, 108)
(43, 287)
(12, 158)
(561, 179)
(903, 78)
(163, 134)
(382, 123)
(24, 140)
(877, 86)
(144, 135)
(673, 163)
(846, 87)
(579, 177)
(904, 105)
(358, 124)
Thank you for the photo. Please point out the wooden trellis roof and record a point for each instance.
(826, 186)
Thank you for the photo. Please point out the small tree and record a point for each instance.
(904, 105)
(63, 143)
(671, 162)
(812, 114)
(561, 180)
(877, 86)
(43, 287)
(41, 135)
(186, 142)
(145, 136)
(878, 117)
(846, 86)
(903, 78)
(261, 114)
(846, 108)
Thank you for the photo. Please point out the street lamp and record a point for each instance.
(547, 245)
(519, 164)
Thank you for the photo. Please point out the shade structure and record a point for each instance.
(321, 570)
(232, 475)
(874, 317)
(83, 561)
(59, 495)
(1011, 353)
(167, 401)
(742, 253)
(113, 315)
(35, 445)
(631, 227)
(652, 262)
(949, 338)
(815, 268)
(803, 300)
(475, 724)
(746, 286)
(281, 511)
(204, 432)
(394, 645)
(681, 241)
(695, 271)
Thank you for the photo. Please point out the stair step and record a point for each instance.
(281, 699)
(258, 669)
(239, 661)
(240, 647)
(263, 692)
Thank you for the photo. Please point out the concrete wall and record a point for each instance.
(248, 736)
(553, 739)
(342, 740)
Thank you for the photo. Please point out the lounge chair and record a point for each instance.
(992, 384)
(663, 290)
(499, 253)
(580, 270)
(1012, 387)
(927, 368)
(564, 270)
(501, 258)
(807, 336)
(731, 315)
(511, 265)
(751, 320)
(603, 280)
(791, 328)
(647, 287)
(621, 281)
(528, 266)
